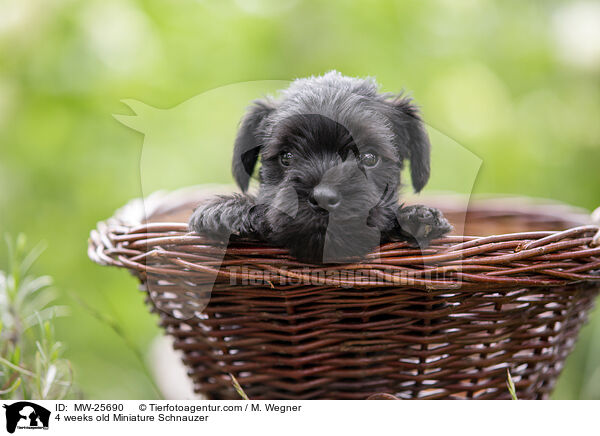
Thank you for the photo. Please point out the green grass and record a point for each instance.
(510, 384)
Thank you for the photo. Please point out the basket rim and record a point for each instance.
(533, 258)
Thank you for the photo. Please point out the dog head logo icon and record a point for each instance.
(26, 415)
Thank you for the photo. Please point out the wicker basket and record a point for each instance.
(445, 323)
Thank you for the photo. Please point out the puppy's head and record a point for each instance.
(332, 151)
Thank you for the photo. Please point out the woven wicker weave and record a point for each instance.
(445, 323)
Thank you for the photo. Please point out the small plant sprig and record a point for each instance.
(238, 388)
(510, 384)
(31, 362)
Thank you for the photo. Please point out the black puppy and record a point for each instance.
(331, 149)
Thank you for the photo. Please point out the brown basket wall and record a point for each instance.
(445, 323)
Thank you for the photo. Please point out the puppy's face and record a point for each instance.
(331, 161)
(329, 193)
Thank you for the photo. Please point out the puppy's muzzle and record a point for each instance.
(325, 197)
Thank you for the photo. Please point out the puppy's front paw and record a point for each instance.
(225, 216)
(206, 220)
(422, 224)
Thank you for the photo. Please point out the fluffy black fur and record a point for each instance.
(327, 202)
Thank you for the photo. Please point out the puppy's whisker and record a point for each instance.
(385, 196)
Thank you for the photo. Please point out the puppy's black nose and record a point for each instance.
(324, 197)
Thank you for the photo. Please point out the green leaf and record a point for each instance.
(17, 368)
(31, 257)
(12, 388)
(511, 385)
(16, 356)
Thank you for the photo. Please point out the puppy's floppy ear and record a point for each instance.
(411, 139)
(248, 142)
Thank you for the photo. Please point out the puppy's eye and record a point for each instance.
(286, 158)
(369, 159)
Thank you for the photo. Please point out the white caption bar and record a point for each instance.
(299, 417)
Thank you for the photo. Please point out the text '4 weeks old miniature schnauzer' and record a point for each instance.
(332, 151)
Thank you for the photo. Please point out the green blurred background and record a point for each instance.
(515, 82)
